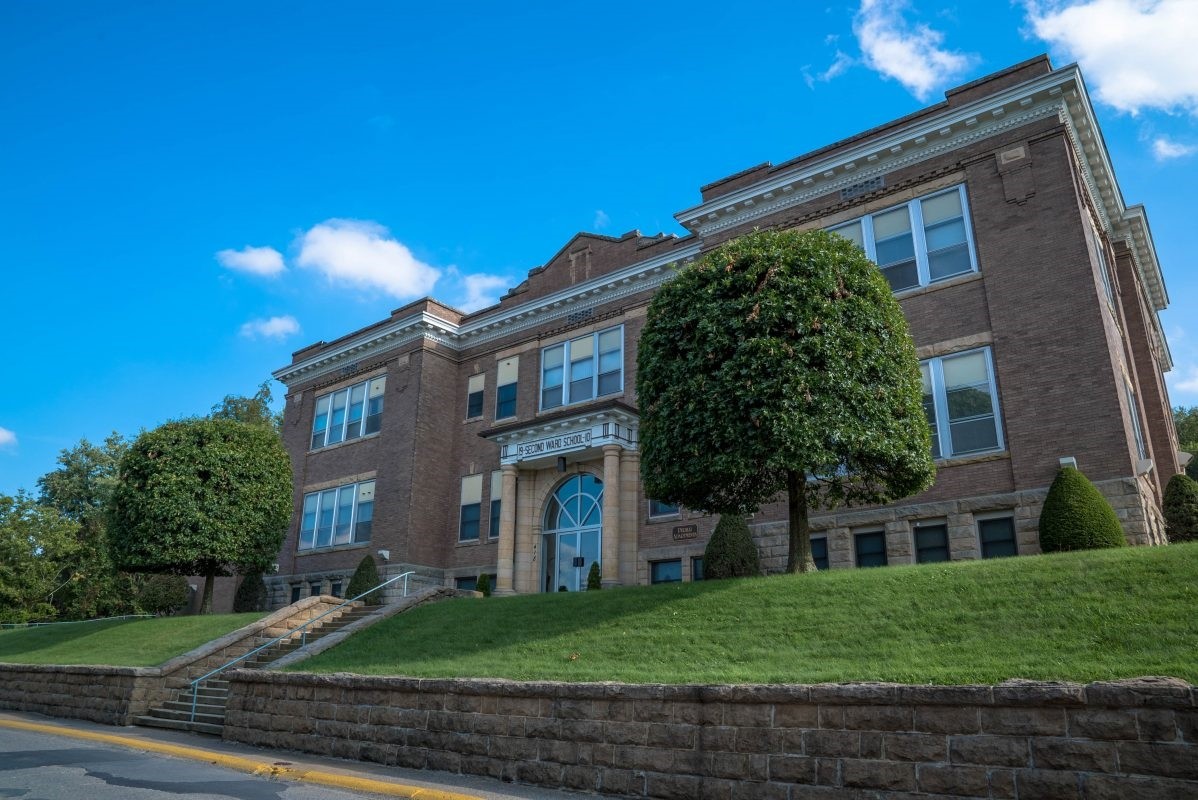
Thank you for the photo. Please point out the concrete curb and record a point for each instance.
(261, 768)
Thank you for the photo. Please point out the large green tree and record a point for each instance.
(35, 543)
(201, 497)
(254, 409)
(1186, 421)
(80, 489)
(780, 362)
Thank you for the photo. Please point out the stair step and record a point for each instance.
(180, 725)
(185, 716)
(211, 709)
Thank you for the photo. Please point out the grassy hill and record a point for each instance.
(1075, 616)
(122, 643)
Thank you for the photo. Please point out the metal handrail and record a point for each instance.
(195, 685)
(73, 621)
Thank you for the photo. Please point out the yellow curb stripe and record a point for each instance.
(261, 768)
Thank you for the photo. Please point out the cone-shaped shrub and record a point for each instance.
(251, 594)
(483, 585)
(1077, 517)
(594, 578)
(730, 551)
(1181, 509)
(366, 576)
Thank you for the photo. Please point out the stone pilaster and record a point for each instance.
(507, 533)
(611, 514)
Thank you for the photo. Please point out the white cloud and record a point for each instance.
(1137, 54)
(1165, 148)
(841, 64)
(911, 54)
(7, 438)
(272, 328)
(602, 220)
(482, 290)
(364, 254)
(265, 261)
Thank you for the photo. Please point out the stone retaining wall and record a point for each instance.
(115, 695)
(1129, 740)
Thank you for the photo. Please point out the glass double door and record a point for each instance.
(568, 559)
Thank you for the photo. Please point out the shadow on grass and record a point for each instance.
(28, 641)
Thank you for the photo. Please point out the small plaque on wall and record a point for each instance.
(685, 532)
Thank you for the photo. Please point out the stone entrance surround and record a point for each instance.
(1125, 740)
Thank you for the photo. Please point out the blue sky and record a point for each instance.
(193, 191)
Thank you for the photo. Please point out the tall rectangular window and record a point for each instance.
(496, 502)
(471, 508)
(871, 548)
(931, 542)
(819, 552)
(961, 404)
(505, 387)
(997, 537)
(1137, 431)
(337, 516)
(920, 242)
(474, 396)
(583, 368)
(348, 413)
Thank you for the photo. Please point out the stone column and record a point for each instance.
(611, 514)
(528, 536)
(507, 532)
(630, 477)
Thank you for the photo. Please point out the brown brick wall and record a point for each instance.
(1128, 739)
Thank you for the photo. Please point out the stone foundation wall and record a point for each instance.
(1132, 499)
(115, 695)
(1103, 741)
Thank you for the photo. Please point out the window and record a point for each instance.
(871, 549)
(471, 508)
(997, 536)
(660, 509)
(931, 542)
(921, 242)
(496, 499)
(349, 413)
(697, 568)
(959, 390)
(665, 571)
(314, 589)
(341, 515)
(1104, 269)
(505, 388)
(1134, 408)
(296, 590)
(466, 584)
(335, 589)
(474, 396)
(583, 368)
(819, 552)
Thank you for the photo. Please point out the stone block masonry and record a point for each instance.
(1018, 740)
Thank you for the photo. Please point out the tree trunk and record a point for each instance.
(798, 559)
(206, 603)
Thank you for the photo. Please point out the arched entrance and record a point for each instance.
(572, 531)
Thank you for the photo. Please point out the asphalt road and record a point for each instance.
(37, 765)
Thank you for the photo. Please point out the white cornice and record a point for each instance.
(644, 276)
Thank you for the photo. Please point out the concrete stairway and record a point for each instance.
(212, 695)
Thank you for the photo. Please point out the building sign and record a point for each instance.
(554, 444)
(685, 532)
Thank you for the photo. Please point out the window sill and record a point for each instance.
(337, 445)
(482, 540)
(664, 518)
(334, 548)
(947, 283)
(580, 404)
(975, 458)
(469, 420)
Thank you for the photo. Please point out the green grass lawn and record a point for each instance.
(1075, 616)
(124, 643)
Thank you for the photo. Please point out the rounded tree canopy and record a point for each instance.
(780, 352)
(201, 497)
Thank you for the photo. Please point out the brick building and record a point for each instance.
(505, 441)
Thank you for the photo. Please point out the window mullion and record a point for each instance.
(915, 214)
(594, 365)
(353, 515)
(998, 431)
(940, 397)
(967, 221)
(867, 236)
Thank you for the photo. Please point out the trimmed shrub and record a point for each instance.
(1181, 509)
(1077, 517)
(594, 578)
(251, 594)
(483, 585)
(366, 576)
(731, 552)
(164, 594)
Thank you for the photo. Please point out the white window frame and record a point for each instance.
(348, 391)
(1136, 428)
(940, 400)
(677, 509)
(355, 490)
(919, 242)
(565, 385)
